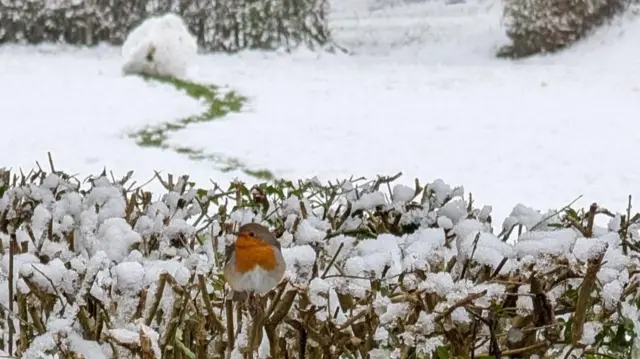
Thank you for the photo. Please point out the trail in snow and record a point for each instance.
(76, 104)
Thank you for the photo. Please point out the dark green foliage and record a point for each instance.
(539, 26)
(219, 25)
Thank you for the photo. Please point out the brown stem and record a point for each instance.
(255, 331)
(526, 349)
(239, 305)
(130, 207)
(37, 319)
(282, 309)
(172, 326)
(230, 332)
(83, 318)
(582, 304)
(207, 303)
(333, 259)
(146, 346)
(142, 301)
(276, 299)
(24, 329)
(156, 299)
(13, 249)
(353, 319)
(273, 341)
(201, 344)
(590, 218)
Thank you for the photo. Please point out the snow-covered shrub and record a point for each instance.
(537, 26)
(159, 46)
(218, 25)
(374, 269)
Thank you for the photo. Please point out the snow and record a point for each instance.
(591, 329)
(492, 249)
(423, 86)
(124, 336)
(86, 348)
(454, 210)
(18, 261)
(153, 269)
(160, 45)
(499, 128)
(444, 222)
(440, 283)
(308, 231)
(394, 312)
(402, 193)
(47, 277)
(371, 257)
(611, 293)
(633, 314)
(115, 237)
(322, 295)
(420, 248)
(81, 96)
(299, 261)
(40, 219)
(524, 303)
(460, 315)
(422, 94)
(129, 276)
(551, 242)
(369, 201)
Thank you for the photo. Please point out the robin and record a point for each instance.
(254, 263)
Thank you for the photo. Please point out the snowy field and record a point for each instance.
(422, 94)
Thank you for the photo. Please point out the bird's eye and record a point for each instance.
(251, 234)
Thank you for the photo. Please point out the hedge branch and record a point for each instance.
(372, 269)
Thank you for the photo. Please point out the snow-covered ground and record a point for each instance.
(423, 94)
(76, 104)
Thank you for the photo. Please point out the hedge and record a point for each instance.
(102, 268)
(219, 25)
(541, 26)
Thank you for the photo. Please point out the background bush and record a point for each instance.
(219, 25)
(537, 26)
(104, 269)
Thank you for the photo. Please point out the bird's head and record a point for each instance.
(252, 232)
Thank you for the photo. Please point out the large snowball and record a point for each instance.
(160, 45)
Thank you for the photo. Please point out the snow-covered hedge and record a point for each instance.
(103, 269)
(537, 26)
(219, 25)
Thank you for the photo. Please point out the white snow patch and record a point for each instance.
(115, 238)
(402, 193)
(160, 45)
(129, 277)
(310, 231)
(591, 330)
(611, 293)
(299, 261)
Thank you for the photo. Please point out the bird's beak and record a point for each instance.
(235, 233)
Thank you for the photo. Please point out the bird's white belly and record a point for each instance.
(257, 280)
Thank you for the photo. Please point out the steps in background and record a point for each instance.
(447, 27)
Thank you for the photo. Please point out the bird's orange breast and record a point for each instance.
(251, 252)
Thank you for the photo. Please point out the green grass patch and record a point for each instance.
(218, 105)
